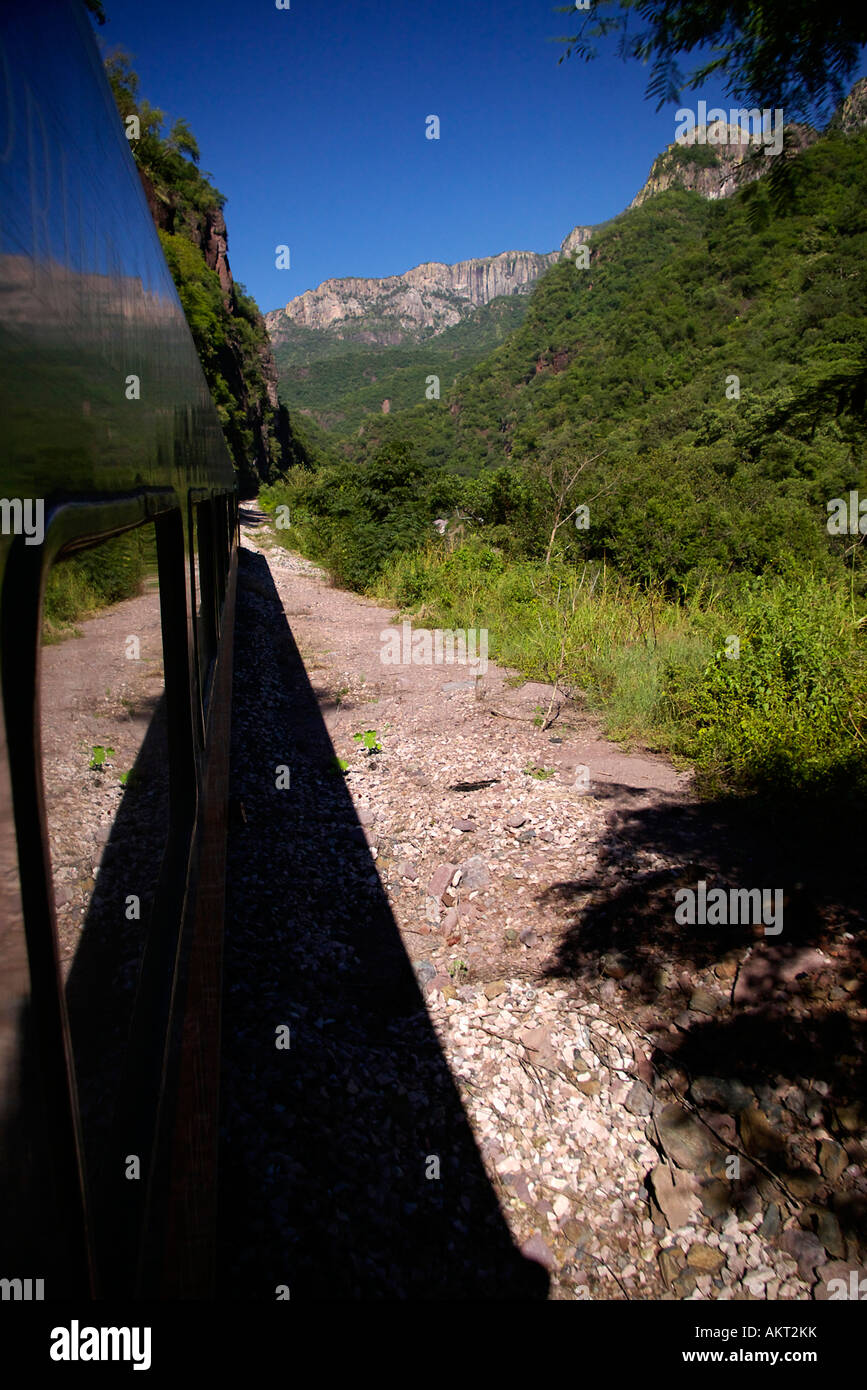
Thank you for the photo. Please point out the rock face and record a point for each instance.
(415, 305)
(274, 448)
(715, 170)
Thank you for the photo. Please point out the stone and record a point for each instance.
(716, 1198)
(684, 1138)
(432, 912)
(685, 1283)
(516, 820)
(758, 1135)
(614, 966)
(440, 880)
(424, 971)
(639, 1100)
(720, 1091)
(851, 1118)
(705, 1258)
(833, 1160)
(770, 1227)
(452, 919)
(805, 1250)
(476, 874)
(854, 1282)
(407, 869)
(578, 1233)
(673, 1195)
(511, 935)
(702, 1001)
(366, 817)
(590, 1087)
(493, 988)
(829, 1233)
(527, 937)
(465, 826)
(671, 1262)
(536, 1249)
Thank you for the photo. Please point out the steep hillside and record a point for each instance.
(228, 329)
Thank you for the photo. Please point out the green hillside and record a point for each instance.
(341, 383)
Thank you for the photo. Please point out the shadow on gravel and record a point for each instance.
(785, 1017)
(348, 1168)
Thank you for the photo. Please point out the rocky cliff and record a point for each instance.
(258, 429)
(716, 170)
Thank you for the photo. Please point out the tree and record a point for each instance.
(558, 469)
(793, 54)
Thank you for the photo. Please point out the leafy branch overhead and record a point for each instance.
(796, 55)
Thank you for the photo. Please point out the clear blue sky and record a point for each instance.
(311, 121)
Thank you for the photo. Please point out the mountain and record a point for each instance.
(411, 307)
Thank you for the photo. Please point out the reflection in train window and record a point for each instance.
(105, 772)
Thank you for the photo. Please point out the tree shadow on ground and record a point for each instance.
(348, 1167)
(784, 1017)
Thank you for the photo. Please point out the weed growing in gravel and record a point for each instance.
(338, 765)
(459, 970)
(542, 773)
(369, 740)
(99, 756)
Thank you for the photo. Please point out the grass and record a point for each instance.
(789, 714)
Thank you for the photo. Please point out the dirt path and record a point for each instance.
(651, 1103)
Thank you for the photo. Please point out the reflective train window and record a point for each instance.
(105, 772)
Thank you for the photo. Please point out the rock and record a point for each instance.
(726, 969)
(758, 1135)
(432, 912)
(702, 1001)
(451, 686)
(803, 1184)
(536, 1249)
(465, 826)
(590, 1087)
(805, 1250)
(705, 1258)
(614, 966)
(721, 1092)
(424, 971)
(547, 835)
(440, 880)
(770, 1227)
(494, 988)
(640, 1099)
(853, 1282)
(510, 935)
(685, 1283)
(476, 874)
(578, 1233)
(851, 1118)
(673, 1195)
(684, 1138)
(407, 869)
(452, 919)
(538, 1043)
(525, 836)
(671, 1262)
(830, 1235)
(716, 1198)
(527, 937)
(833, 1160)
(439, 981)
(366, 817)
